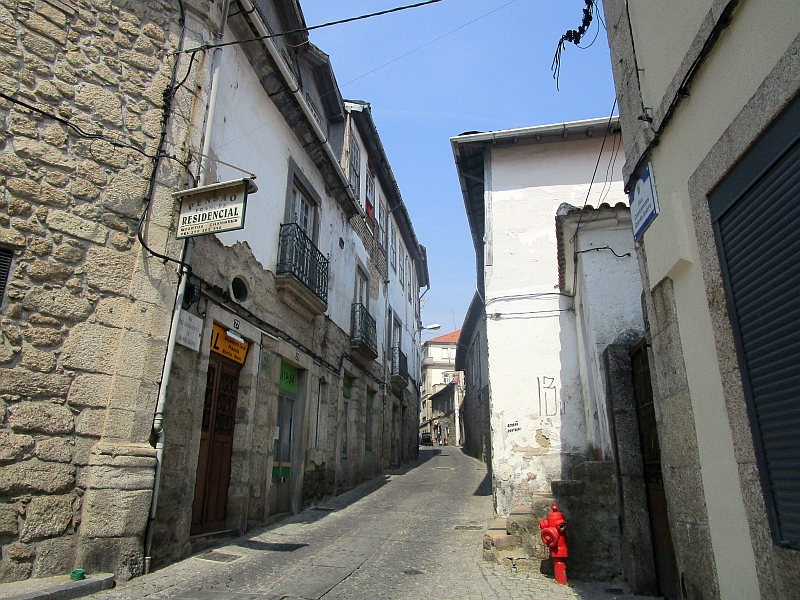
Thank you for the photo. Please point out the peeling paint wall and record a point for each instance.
(537, 415)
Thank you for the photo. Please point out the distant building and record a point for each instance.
(438, 372)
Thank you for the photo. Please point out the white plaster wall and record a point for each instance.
(255, 137)
(662, 32)
(748, 50)
(532, 341)
(609, 304)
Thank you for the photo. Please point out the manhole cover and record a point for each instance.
(219, 557)
(323, 509)
(271, 546)
(444, 468)
(412, 572)
(469, 527)
(615, 590)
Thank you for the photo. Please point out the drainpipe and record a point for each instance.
(158, 417)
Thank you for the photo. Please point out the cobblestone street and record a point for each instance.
(413, 534)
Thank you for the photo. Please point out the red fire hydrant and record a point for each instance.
(554, 529)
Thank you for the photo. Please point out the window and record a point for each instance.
(6, 257)
(355, 166)
(301, 211)
(362, 291)
(383, 219)
(447, 378)
(347, 391)
(445, 353)
(393, 252)
(370, 199)
(402, 268)
(756, 217)
(409, 275)
(302, 202)
(368, 426)
(314, 110)
(397, 334)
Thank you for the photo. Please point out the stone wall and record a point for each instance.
(680, 458)
(86, 316)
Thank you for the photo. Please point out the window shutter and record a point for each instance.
(756, 214)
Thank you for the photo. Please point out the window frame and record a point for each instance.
(354, 166)
(297, 180)
(393, 250)
(369, 202)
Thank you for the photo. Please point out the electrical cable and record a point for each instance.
(604, 248)
(74, 127)
(313, 27)
(90, 136)
(594, 174)
(574, 36)
(168, 97)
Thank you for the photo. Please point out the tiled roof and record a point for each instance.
(447, 338)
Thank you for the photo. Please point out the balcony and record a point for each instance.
(363, 335)
(399, 368)
(302, 273)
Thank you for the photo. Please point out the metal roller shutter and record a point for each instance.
(756, 214)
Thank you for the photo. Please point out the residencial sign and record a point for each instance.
(644, 202)
(213, 208)
(222, 343)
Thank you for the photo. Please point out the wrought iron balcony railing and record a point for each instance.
(299, 256)
(364, 328)
(399, 364)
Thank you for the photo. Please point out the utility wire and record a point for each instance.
(74, 127)
(313, 27)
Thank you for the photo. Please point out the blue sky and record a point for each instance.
(492, 74)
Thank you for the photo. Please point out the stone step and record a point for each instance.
(60, 587)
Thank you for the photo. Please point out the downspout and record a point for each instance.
(158, 417)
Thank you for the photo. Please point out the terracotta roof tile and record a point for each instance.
(447, 338)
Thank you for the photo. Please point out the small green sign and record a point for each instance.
(288, 382)
(347, 386)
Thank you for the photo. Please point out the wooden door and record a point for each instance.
(209, 510)
(666, 565)
(280, 493)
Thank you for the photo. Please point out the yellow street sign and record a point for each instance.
(222, 343)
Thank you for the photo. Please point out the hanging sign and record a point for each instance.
(213, 208)
(222, 343)
(644, 202)
(288, 382)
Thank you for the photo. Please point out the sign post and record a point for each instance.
(644, 202)
(213, 208)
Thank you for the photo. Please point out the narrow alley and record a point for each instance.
(415, 533)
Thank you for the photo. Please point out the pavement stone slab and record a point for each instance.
(393, 538)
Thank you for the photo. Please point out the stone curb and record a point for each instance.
(64, 589)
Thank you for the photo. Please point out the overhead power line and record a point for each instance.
(313, 27)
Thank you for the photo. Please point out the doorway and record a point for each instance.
(209, 510)
(663, 550)
(280, 490)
